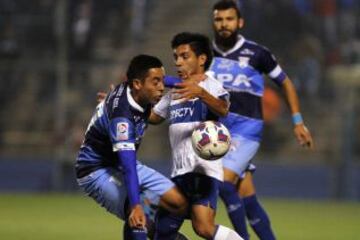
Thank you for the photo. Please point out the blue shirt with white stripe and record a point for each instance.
(113, 136)
(241, 70)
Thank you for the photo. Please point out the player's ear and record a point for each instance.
(137, 84)
(202, 59)
(241, 23)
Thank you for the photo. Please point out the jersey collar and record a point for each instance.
(239, 43)
(132, 101)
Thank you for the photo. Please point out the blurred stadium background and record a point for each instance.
(55, 56)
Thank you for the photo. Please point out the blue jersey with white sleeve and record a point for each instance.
(241, 70)
(112, 137)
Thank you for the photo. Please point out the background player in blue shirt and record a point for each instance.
(107, 169)
(240, 64)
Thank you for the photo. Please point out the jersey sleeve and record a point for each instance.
(217, 90)
(127, 161)
(122, 134)
(270, 67)
(171, 81)
(162, 107)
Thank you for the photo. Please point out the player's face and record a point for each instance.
(226, 23)
(153, 85)
(187, 63)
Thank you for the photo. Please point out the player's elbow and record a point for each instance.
(223, 110)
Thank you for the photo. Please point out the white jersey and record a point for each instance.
(184, 117)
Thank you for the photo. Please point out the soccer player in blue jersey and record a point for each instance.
(107, 168)
(186, 107)
(240, 64)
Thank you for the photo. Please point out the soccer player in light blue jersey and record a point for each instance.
(240, 65)
(107, 168)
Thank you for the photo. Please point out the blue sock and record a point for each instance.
(235, 208)
(134, 233)
(167, 225)
(258, 218)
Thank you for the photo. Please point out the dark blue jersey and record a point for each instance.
(118, 124)
(241, 70)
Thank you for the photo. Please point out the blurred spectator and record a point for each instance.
(138, 19)
(347, 17)
(9, 46)
(81, 29)
(308, 54)
(325, 11)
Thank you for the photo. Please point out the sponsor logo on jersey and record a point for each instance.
(235, 81)
(124, 146)
(226, 64)
(122, 131)
(116, 103)
(181, 112)
(247, 51)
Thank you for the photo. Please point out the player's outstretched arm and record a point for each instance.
(155, 118)
(127, 161)
(190, 89)
(301, 132)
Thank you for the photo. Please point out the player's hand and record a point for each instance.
(187, 90)
(100, 96)
(303, 136)
(137, 217)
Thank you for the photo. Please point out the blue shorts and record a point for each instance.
(106, 187)
(242, 150)
(199, 189)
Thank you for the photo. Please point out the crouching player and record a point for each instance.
(107, 168)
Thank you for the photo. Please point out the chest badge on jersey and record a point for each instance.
(243, 62)
(122, 131)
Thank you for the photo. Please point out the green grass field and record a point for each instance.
(75, 217)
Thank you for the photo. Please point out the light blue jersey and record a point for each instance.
(241, 70)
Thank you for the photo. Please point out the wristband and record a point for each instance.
(297, 118)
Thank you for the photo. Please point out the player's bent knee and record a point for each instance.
(174, 202)
(246, 187)
(230, 176)
(203, 232)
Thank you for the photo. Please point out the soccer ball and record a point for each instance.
(211, 140)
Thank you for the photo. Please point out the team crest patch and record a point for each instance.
(122, 131)
(244, 61)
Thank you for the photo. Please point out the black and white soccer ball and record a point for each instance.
(211, 140)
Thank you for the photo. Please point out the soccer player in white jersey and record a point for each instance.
(186, 107)
(239, 64)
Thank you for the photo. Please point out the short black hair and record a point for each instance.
(227, 4)
(139, 67)
(199, 43)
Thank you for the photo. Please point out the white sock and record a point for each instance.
(224, 233)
